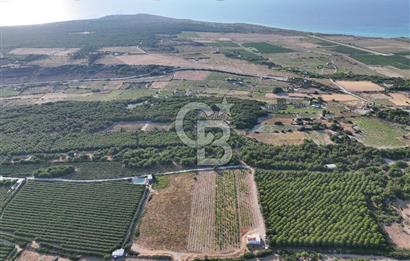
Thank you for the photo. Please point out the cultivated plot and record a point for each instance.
(207, 212)
(86, 218)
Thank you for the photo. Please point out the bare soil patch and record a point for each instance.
(215, 62)
(191, 75)
(159, 85)
(400, 99)
(288, 96)
(123, 49)
(360, 86)
(165, 223)
(391, 71)
(57, 60)
(289, 138)
(398, 235)
(29, 255)
(338, 97)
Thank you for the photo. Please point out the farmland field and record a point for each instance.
(86, 218)
(360, 86)
(5, 250)
(213, 212)
(166, 216)
(398, 61)
(267, 48)
(379, 133)
(317, 209)
(4, 188)
(227, 227)
(224, 44)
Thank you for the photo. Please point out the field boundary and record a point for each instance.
(137, 218)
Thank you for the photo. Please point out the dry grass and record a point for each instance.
(338, 97)
(28, 255)
(360, 86)
(289, 138)
(398, 235)
(44, 51)
(400, 99)
(123, 49)
(215, 62)
(191, 75)
(165, 223)
(159, 85)
(391, 71)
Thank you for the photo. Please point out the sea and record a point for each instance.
(377, 18)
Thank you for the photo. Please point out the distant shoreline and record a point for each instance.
(401, 33)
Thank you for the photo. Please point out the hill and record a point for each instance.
(115, 30)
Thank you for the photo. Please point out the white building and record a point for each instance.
(331, 166)
(119, 253)
(254, 240)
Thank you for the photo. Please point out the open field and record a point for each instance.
(214, 211)
(379, 133)
(399, 233)
(215, 62)
(267, 48)
(338, 97)
(288, 138)
(87, 218)
(191, 75)
(44, 51)
(398, 236)
(165, 222)
(360, 86)
(336, 201)
(400, 99)
(30, 255)
(123, 49)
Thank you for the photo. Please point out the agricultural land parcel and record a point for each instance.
(90, 219)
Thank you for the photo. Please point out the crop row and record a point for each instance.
(318, 209)
(85, 217)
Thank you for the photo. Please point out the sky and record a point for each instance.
(390, 16)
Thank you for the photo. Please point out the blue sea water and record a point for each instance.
(385, 18)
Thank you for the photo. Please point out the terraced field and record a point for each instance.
(86, 218)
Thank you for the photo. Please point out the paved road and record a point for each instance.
(128, 178)
(351, 46)
(127, 78)
(348, 92)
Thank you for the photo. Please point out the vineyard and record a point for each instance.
(5, 250)
(221, 211)
(4, 188)
(318, 209)
(246, 217)
(227, 227)
(86, 218)
(201, 234)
